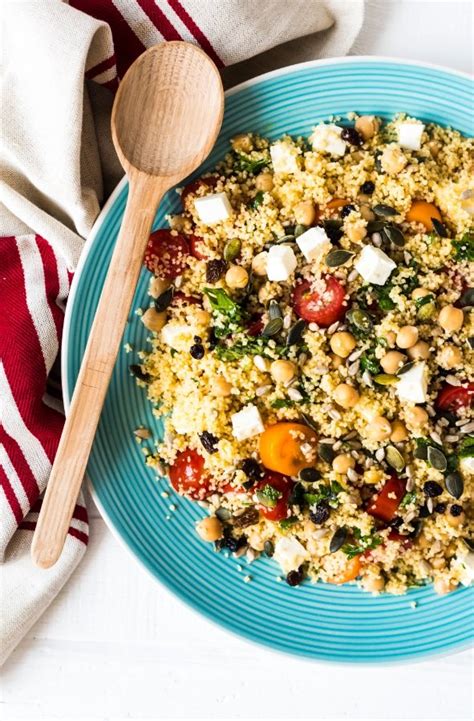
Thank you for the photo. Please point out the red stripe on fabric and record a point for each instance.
(31, 525)
(101, 67)
(19, 463)
(111, 85)
(159, 20)
(127, 46)
(10, 496)
(80, 512)
(51, 279)
(196, 31)
(22, 355)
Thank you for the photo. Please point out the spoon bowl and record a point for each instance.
(166, 117)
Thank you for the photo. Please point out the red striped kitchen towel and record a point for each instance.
(62, 63)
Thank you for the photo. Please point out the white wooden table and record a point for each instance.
(116, 645)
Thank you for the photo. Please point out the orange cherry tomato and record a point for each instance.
(350, 572)
(335, 204)
(423, 212)
(281, 447)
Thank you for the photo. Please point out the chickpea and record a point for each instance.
(379, 429)
(367, 126)
(264, 182)
(442, 586)
(209, 529)
(449, 357)
(221, 387)
(399, 432)
(416, 416)
(157, 287)
(407, 336)
(391, 338)
(367, 213)
(356, 231)
(422, 541)
(202, 317)
(419, 351)
(450, 318)
(372, 476)
(259, 263)
(393, 159)
(373, 584)
(242, 143)
(392, 361)
(305, 212)
(434, 147)
(345, 395)
(456, 521)
(336, 361)
(282, 371)
(342, 463)
(438, 563)
(236, 277)
(420, 293)
(342, 343)
(153, 320)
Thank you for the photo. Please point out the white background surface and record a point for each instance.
(115, 644)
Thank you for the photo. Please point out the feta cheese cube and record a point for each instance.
(177, 335)
(213, 208)
(413, 385)
(247, 423)
(374, 265)
(284, 157)
(326, 138)
(467, 464)
(313, 243)
(465, 564)
(289, 553)
(281, 262)
(409, 135)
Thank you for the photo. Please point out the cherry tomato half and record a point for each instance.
(181, 298)
(196, 243)
(322, 306)
(350, 573)
(452, 398)
(255, 325)
(192, 187)
(188, 477)
(166, 254)
(284, 486)
(384, 505)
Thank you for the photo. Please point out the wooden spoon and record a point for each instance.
(165, 120)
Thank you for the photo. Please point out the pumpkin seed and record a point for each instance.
(467, 297)
(436, 458)
(139, 373)
(326, 452)
(385, 211)
(338, 540)
(421, 452)
(394, 458)
(295, 334)
(300, 229)
(454, 484)
(164, 300)
(439, 228)
(284, 239)
(337, 257)
(360, 319)
(470, 342)
(268, 548)
(273, 327)
(405, 368)
(232, 249)
(395, 235)
(385, 379)
(310, 475)
(274, 310)
(426, 311)
(375, 226)
(223, 514)
(469, 543)
(310, 421)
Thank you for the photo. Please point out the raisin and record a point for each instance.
(215, 269)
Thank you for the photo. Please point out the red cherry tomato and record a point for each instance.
(322, 306)
(404, 540)
(195, 242)
(255, 326)
(188, 477)
(192, 187)
(284, 485)
(452, 398)
(384, 505)
(166, 254)
(180, 298)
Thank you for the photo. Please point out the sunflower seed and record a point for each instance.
(367, 379)
(452, 380)
(451, 438)
(337, 257)
(462, 421)
(252, 555)
(302, 358)
(262, 390)
(287, 321)
(384, 211)
(261, 363)
(410, 484)
(353, 369)
(468, 428)
(454, 484)
(334, 414)
(295, 334)
(294, 394)
(425, 567)
(407, 257)
(394, 458)
(337, 445)
(377, 239)
(321, 370)
(333, 328)
(352, 475)
(466, 194)
(232, 249)
(436, 438)
(338, 540)
(430, 410)
(273, 327)
(436, 458)
(351, 434)
(352, 275)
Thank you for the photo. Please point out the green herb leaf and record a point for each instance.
(288, 522)
(228, 314)
(369, 362)
(366, 543)
(407, 499)
(258, 200)
(249, 164)
(464, 248)
(268, 496)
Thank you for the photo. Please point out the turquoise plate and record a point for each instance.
(317, 621)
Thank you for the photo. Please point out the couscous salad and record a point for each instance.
(311, 351)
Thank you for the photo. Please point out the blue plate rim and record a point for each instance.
(286, 70)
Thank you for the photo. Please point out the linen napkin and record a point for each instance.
(62, 64)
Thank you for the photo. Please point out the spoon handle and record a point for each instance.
(145, 192)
